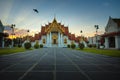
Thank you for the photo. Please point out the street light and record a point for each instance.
(96, 27)
(12, 27)
(81, 31)
(28, 35)
(81, 35)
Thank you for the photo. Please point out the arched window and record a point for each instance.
(44, 41)
(65, 41)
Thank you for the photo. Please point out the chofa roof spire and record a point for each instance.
(54, 20)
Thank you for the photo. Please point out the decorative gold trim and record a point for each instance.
(55, 27)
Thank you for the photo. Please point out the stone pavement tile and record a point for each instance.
(10, 75)
(70, 76)
(113, 62)
(82, 62)
(46, 63)
(43, 68)
(98, 62)
(103, 75)
(111, 68)
(3, 66)
(27, 62)
(116, 65)
(19, 68)
(66, 68)
(87, 68)
(39, 76)
(63, 62)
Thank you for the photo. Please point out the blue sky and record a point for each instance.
(77, 14)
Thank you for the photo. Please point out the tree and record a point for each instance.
(36, 46)
(73, 46)
(81, 46)
(68, 45)
(27, 45)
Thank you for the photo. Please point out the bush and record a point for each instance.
(68, 45)
(19, 45)
(94, 45)
(27, 45)
(73, 46)
(36, 46)
(90, 45)
(41, 45)
(81, 46)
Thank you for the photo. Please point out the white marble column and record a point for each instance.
(47, 40)
(3, 43)
(58, 39)
(106, 42)
(61, 40)
(117, 42)
(50, 39)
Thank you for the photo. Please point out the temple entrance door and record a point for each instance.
(112, 42)
(54, 41)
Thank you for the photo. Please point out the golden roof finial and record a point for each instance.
(54, 20)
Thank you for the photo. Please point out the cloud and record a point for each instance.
(18, 32)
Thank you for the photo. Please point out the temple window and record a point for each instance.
(44, 41)
(65, 41)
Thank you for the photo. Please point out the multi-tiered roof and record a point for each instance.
(55, 26)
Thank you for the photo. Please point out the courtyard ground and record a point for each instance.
(58, 64)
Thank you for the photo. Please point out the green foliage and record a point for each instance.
(90, 45)
(108, 52)
(94, 45)
(5, 51)
(73, 46)
(41, 45)
(81, 46)
(27, 45)
(19, 45)
(68, 45)
(36, 46)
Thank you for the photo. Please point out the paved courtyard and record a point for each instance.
(58, 64)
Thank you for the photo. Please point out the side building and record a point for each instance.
(112, 33)
(1, 34)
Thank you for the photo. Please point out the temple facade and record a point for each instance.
(55, 34)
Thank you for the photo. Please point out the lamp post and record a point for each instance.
(3, 43)
(28, 35)
(81, 36)
(12, 27)
(96, 27)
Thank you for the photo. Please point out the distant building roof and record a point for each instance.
(117, 20)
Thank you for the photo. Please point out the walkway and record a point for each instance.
(58, 64)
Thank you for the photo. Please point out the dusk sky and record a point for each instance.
(76, 14)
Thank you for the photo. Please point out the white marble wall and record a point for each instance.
(106, 42)
(112, 26)
(117, 42)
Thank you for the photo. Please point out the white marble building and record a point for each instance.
(55, 35)
(112, 33)
(1, 35)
